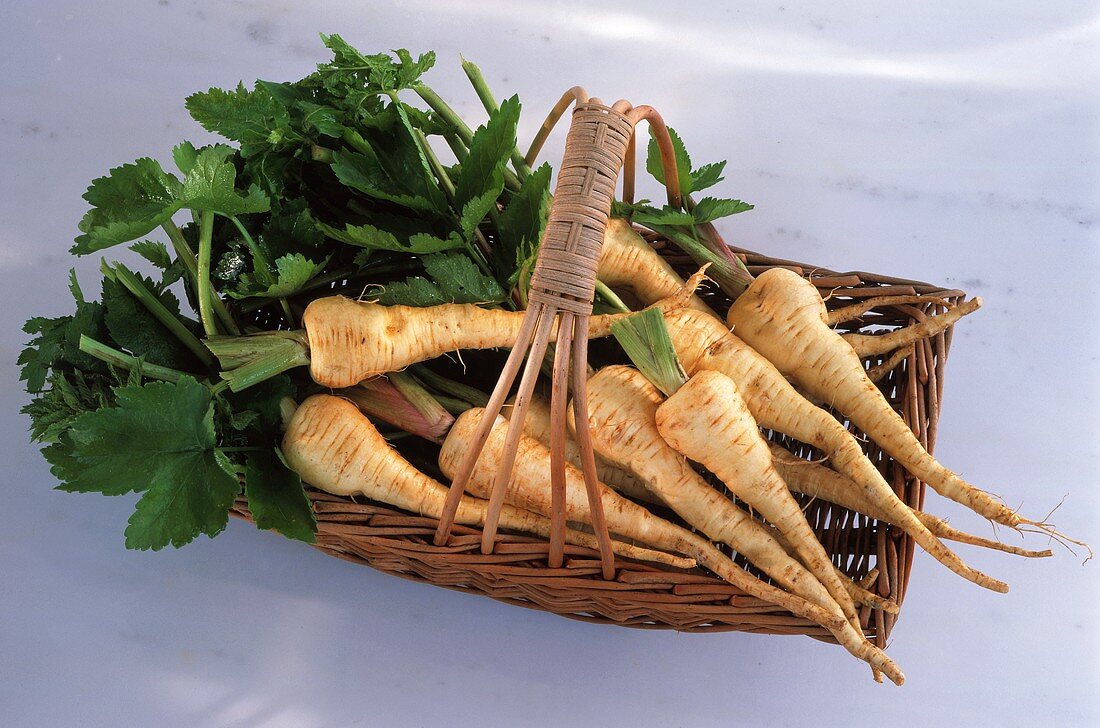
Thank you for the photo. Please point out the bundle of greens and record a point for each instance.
(331, 184)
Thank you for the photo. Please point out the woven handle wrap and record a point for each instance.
(565, 274)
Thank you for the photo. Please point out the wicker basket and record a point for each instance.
(650, 597)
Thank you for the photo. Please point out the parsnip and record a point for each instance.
(704, 343)
(782, 316)
(529, 488)
(707, 420)
(628, 261)
(622, 409)
(334, 447)
(537, 425)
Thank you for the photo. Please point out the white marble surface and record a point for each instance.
(921, 139)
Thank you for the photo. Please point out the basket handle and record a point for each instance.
(562, 291)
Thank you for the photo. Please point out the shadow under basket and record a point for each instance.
(648, 596)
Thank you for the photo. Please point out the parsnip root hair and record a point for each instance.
(855, 310)
(877, 372)
(818, 481)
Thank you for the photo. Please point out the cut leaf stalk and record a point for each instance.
(172, 322)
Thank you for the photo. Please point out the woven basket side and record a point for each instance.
(646, 596)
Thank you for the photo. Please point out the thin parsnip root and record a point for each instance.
(880, 370)
(334, 447)
(628, 261)
(865, 597)
(853, 311)
(529, 488)
(707, 421)
(537, 425)
(782, 316)
(622, 411)
(867, 345)
(704, 343)
(818, 481)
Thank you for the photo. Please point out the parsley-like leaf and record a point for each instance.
(522, 223)
(482, 171)
(453, 279)
(158, 440)
(710, 208)
(129, 202)
(154, 252)
(276, 497)
(138, 331)
(43, 351)
(379, 72)
(210, 186)
(691, 180)
(69, 396)
(389, 164)
(184, 155)
(372, 238)
(291, 271)
(254, 118)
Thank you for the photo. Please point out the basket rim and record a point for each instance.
(399, 543)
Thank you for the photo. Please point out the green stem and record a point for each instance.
(170, 321)
(733, 278)
(482, 252)
(219, 387)
(453, 405)
(114, 357)
(465, 134)
(184, 253)
(182, 249)
(456, 146)
(206, 292)
(249, 360)
(450, 387)
(711, 238)
(477, 80)
(445, 112)
(645, 339)
(263, 267)
(419, 397)
(437, 167)
(611, 298)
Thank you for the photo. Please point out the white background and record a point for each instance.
(923, 140)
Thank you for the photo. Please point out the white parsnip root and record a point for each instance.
(705, 344)
(822, 364)
(537, 425)
(622, 407)
(529, 488)
(334, 447)
(628, 261)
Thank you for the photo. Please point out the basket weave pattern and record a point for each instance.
(652, 597)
